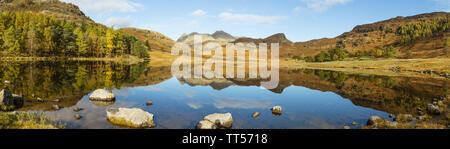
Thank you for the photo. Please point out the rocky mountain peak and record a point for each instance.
(222, 34)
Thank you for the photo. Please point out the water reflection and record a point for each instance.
(310, 98)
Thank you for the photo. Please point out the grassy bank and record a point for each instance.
(122, 59)
(436, 67)
(27, 120)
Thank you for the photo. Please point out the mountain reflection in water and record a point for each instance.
(310, 98)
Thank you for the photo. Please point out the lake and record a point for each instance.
(311, 99)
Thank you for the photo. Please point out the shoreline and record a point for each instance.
(424, 68)
(122, 59)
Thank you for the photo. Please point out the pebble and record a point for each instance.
(256, 114)
(148, 103)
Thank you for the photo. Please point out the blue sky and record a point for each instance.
(300, 20)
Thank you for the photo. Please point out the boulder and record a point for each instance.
(9, 99)
(135, 118)
(7, 82)
(375, 120)
(354, 123)
(347, 127)
(6, 98)
(102, 95)
(204, 124)
(18, 100)
(221, 120)
(148, 103)
(277, 110)
(216, 121)
(433, 109)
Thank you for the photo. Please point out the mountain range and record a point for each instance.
(430, 42)
(363, 38)
(220, 37)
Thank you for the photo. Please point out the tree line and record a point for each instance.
(339, 54)
(424, 29)
(38, 35)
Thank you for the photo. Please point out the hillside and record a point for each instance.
(383, 34)
(431, 31)
(50, 28)
(156, 40)
(56, 8)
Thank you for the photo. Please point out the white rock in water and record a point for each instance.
(221, 120)
(136, 118)
(206, 125)
(277, 110)
(102, 95)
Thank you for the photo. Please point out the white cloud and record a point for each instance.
(198, 13)
(119, 22)
(249, 18)
(106, 6)
(323, 5)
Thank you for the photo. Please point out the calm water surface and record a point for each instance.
(310, 98)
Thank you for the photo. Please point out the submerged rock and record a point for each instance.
(78, 109)
(256, 114)
(102, 104)
(102, 95)
(347, 127)
(354, 123)
(56, 100)
(216, 121)
(136, 118)
(77, 116)
(277, 110)
(148, 103)
(55, 107)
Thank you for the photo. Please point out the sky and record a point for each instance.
(300, 20)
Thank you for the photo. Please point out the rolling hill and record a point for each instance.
(156, 40)
(56, 8)
(432, 31)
